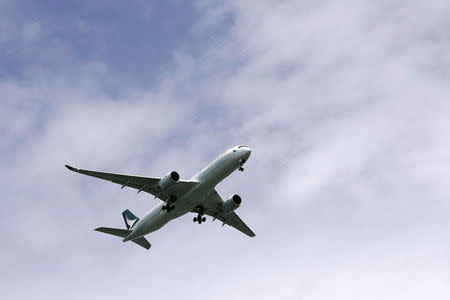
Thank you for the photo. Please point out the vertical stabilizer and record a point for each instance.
(130, 219)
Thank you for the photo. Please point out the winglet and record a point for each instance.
(70, 168)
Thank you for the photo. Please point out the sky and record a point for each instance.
(345, 104)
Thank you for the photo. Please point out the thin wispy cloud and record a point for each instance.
(345, 105)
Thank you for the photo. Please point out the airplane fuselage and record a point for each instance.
(206, 180)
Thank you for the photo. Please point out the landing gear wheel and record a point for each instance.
(168, 207)
(199, 219)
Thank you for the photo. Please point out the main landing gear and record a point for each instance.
(169, 206)
(199, 219)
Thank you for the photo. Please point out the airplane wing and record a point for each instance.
(146, 184)
(212, 206)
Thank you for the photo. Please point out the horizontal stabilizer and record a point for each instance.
(123, 233)
(114, 231)
(142, 242)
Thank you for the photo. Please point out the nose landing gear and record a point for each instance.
(241, 163)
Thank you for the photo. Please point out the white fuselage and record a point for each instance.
(206, 180)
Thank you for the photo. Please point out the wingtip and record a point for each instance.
(70, 168)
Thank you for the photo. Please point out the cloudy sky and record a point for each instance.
(346, 105)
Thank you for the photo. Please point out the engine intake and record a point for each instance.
(233, 202)
(169, 180)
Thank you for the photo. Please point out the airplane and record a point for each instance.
(197, 195)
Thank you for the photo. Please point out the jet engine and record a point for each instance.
(233, 202)
(169, 180)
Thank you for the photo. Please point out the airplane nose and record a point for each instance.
(248, 151)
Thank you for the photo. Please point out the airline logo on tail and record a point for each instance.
(129, 222)
(130, 219)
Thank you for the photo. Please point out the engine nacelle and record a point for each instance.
(169, 180)
(233, 202)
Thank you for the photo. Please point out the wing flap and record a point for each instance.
(125, 180)
(146, 184)
(233, 220)
(212, 206)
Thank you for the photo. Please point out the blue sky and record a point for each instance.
(135, 40)
(345, 105)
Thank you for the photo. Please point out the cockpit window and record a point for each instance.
(240, 146)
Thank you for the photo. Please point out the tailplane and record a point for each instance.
(130, 221)
(142, 241)
(114, 231)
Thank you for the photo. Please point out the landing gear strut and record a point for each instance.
(241, 163)
(168, 207)
(199, 219)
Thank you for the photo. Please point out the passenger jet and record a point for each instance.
(196, 195)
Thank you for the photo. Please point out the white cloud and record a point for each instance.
(346, 187)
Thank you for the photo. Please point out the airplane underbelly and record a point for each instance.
(158, 217)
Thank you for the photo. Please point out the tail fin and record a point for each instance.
(130, 219)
